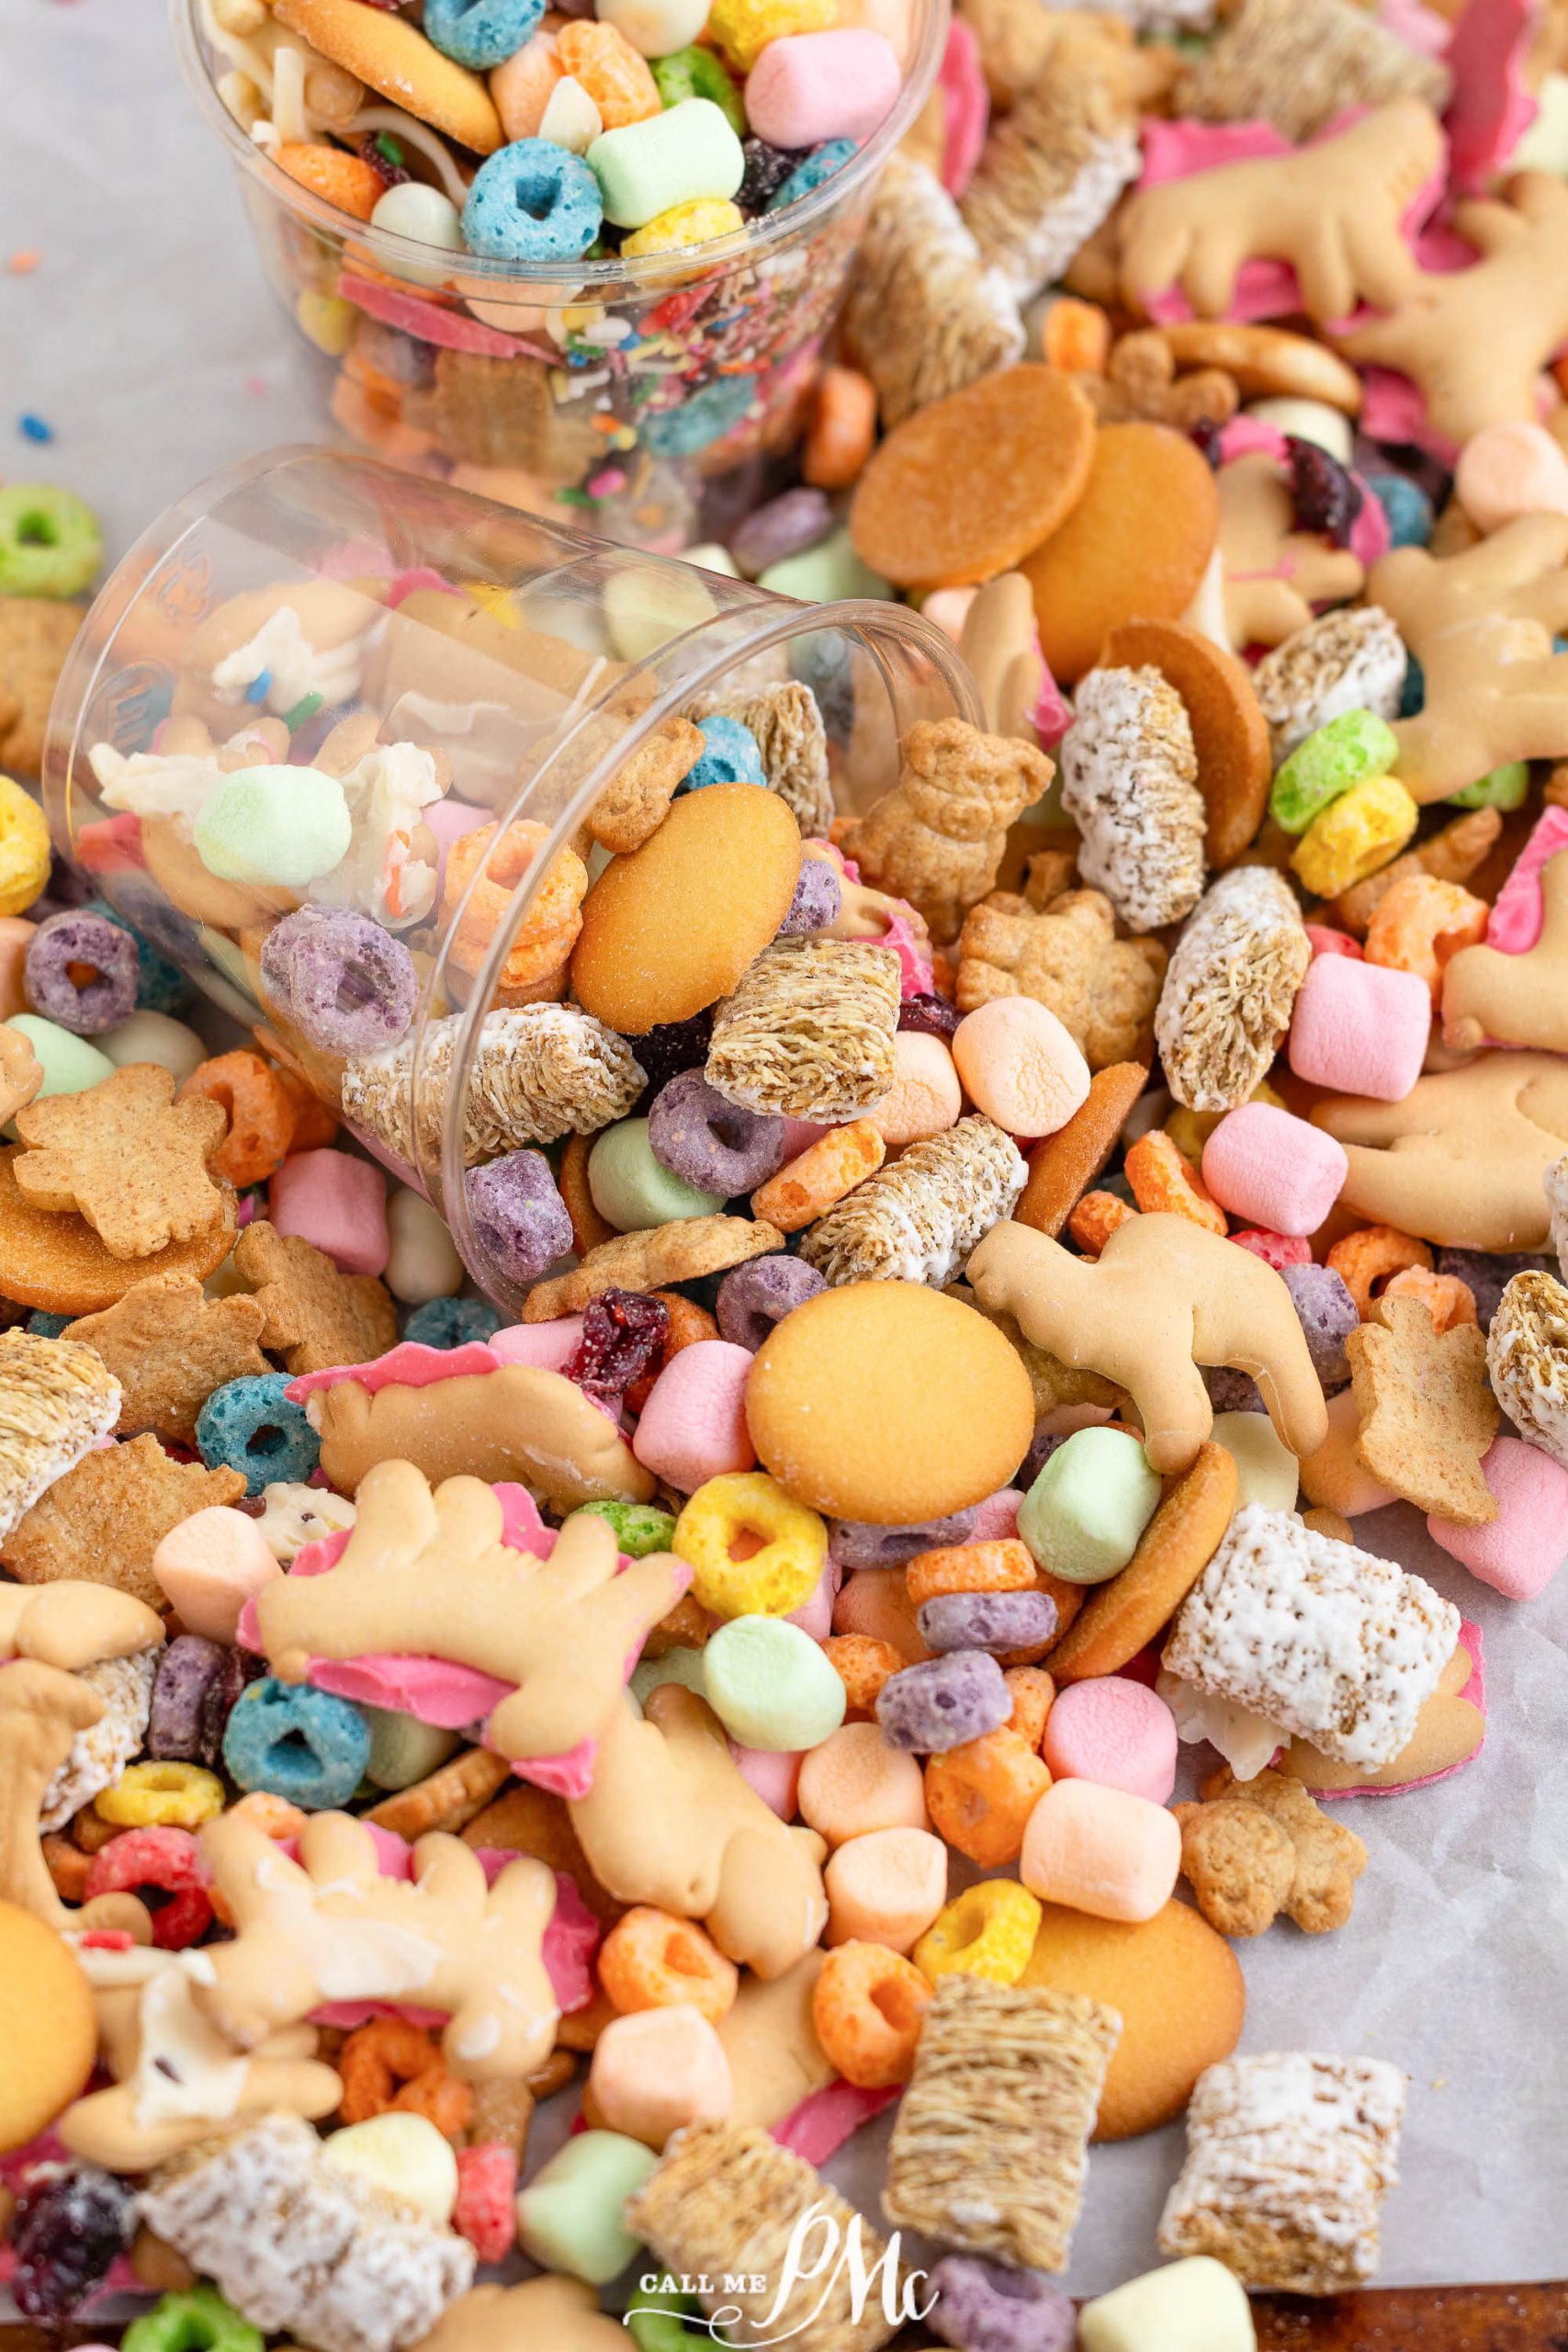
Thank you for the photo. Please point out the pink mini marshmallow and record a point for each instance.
(815, 1615)
(550, 1345)
(773, 1774)
(1325, 942)
(1099, 1851)
(1360, 1028)
(1117, 1733)
(1021, 1066)
(877, 1602)
(1520, 1551)
(810, 86)
(1269, 1166)
(693, 1424)
(339, 1202)
(657, 2069)
(210, 1566)
(1510, 469)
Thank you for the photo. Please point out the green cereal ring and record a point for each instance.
(1504, 788)
(198, 2321)
(1346, 751)
(699, 73)
(50, 543)
(655, 2315)
(639, 1528)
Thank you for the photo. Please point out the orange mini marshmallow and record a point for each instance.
(925, 1097)
(1020, 1066)
(523, 86)
(854, 1784)
(885, 1888)
(1101, 1851)
(659, 2069)
(1506, 470)
(210, 1566)
(876, 1601)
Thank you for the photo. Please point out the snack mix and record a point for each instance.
(718, 1354)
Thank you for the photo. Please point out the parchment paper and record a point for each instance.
(147, 338)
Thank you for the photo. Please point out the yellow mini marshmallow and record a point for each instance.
(404, 2154)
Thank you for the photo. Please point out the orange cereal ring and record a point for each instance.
(548, 935)
(332, 174)
(391, 2063)
(862, 1665)
(867, 2006)
(1095, 1218)
(1365, 1258)
(616, 77)
(1164, 1181)
(261, 1116)
(1032, 1691)
(650, 1960)
(842, 431)
(1076, 336)
(688, 1324)
(810, 1185)
(980, 1796)
(68, 1866)
(272, 1815)
(1420, 924)
(1002, 1564)
(1448, 1301)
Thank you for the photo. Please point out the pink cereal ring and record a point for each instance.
(164, 1862)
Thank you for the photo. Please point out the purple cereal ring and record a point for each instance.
(235, 1671)
(985, 2308)
(712, 1144)
(938, 1704)
(818, 895)
(753, 1298)
(997, 1622)
(187, 1672)
(1487, 1277)
(1233, 1392)
(520, 1219)
(861, 1543)
(1327, 1314)
(346, 983)
(81, 973)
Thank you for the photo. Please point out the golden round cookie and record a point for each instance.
(888, 1402)
(1230, 734)
(53, 1260)
(1134, 547)
(1122, 1616)
(395, 58)
(962, 489)
(1268, 363)
(1178, 1988)
(49, 2026)
(669, 930)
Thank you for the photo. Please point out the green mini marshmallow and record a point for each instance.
(631, 1190)
(569, 2216)
(1344, 751)
(1083, 1514)
(402, 1749)
(277, 825)
(69, 1064)
(686, 153)
(771, 1686)
(1506, 788)
(680, 1664)
(829, 573)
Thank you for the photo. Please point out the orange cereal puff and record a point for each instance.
(332, 174)
(964, 489)
(1135, 545)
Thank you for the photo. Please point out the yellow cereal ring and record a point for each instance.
(161, 1796)
(987, 1931)
(24, 848)
(696, 222)
(1355, 836)
(752, 1550)
(741, 30)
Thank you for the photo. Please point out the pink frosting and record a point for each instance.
(1474, 1690)
(914, 956)
(966, 107)
(824, 2119)
(1491, 109)
(407, 1365)
(550, 1345)
(1514, 925)
(454, 329)
(1419, 27)
(1052, 715)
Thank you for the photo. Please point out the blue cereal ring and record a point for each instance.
(451, 1322)
(480, 33)
(250, 1425)
(1407, 507)
(533, 202)
(706, 417)
(297, 1743)
(42, 1324)
(820, 166)
(731, 756)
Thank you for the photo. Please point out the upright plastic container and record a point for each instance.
(617, 388)
(343, 608)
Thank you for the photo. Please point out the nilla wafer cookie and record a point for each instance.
(394, 57)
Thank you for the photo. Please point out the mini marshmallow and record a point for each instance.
(1085, 1513)
(1267, 1471)
(569, 2215)
(1115, 1732)
(854, 1784)
(1193, 2306)
(337, 1201)
(1273, 1169)
(1333, 1478)
(421, 1261)
(403, 2154)
(877, 1602)
(1101, 1851)
(925, 1097)
(1520, 1551)
(885, 1888)
(1360, 1028)
(693, 1424)
(210, 1566)
(657, 2070)
(1506, 470)
(808, 87)
(550, 1345)
(772, 1774)
(1021, 1066)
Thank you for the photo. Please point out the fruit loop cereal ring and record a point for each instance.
(751, 1549)
(81, 973)
(160, 1861)
(1336, 757)
(261, 1115)
(1031, 1691)
(1355, 836)
(862, 1665)
(333, 174)
(987, 1931)
(161, 1796)
(820, 1176)
(297, 1743)
(195, 2320)
(1448, 1301)
(272, 1815)
(346, 984)
(393, 2067)
(753, 1298)
(1095, 1218)
(695, 222)
(1368, 1257)
(1002, 1565)
(980, 1796)
(867, 2006)
(549, 934)
(650, 1960)
(714, 1144)
(479, 33)
(250, 1425)
(741, 30)
(25, 849)
(616, 77)
(49, 544)
(533, 201)
(1420, 922)
(1165, 1181)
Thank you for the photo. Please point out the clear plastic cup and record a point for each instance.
(621, 389)
(442, 664)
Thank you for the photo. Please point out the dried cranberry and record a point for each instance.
(767, 168)
(664, 1052)
(928, 1015)
(237, 1669)
(66, 2233)
(623, 1333)
(1324, 497)
(1204, 434)
(391, 172)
